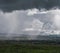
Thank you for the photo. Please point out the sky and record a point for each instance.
(29, 16)
(11, 5)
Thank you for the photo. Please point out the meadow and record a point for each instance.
(29, 48)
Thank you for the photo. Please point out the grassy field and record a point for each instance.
(29, 48)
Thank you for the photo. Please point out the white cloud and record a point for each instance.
(17, 21)
(32, 11)
(36, 25)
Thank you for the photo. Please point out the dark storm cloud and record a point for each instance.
(10, 5)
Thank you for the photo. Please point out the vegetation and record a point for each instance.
(25, 47)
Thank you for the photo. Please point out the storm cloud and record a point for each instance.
(31, 17)
(10, 5)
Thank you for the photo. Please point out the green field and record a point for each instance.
(29, 48)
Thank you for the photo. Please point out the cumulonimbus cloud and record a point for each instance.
(19, 21)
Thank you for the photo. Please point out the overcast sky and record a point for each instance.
(10, 5)
(20, 16)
